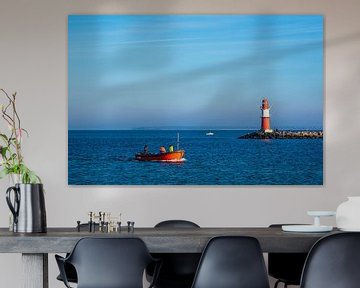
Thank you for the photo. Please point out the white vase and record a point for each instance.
(348, 215)
(15, 179)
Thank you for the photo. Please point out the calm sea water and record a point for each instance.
(107, 158)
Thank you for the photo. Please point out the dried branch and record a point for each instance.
(12, 159)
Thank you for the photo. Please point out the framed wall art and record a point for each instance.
(195, 99)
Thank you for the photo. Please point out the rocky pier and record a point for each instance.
(283, 134)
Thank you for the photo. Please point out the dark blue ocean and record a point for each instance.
(107, 158)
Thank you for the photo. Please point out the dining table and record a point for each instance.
(35, 247)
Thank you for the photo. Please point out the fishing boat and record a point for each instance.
(170, 156)
(209, 133)
(175, 156)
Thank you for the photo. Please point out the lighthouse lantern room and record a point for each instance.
(265, 116)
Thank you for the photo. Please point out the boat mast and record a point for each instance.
(178, 141)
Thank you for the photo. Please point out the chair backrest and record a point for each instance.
(110, 262)
(176, 224)
(333, 262)
(232, 262)
(178, 269)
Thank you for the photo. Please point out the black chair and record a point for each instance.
(232, 262)
(108, 263)
(176, 224)
(333, 262)
(70, 273)
(69, 269)
(286, 267)
(178, 269)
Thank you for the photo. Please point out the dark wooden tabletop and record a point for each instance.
(158, 240)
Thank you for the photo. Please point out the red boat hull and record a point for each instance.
(176, 156)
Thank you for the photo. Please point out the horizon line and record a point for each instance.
(191, 129)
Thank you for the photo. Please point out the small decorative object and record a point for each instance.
(78, 225)
(105, 221)
(348, 215)
(27, 204)
(316, 227)
(130, 226)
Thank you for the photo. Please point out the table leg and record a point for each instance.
(35, 270)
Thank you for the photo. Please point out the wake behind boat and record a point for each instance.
(175, 156)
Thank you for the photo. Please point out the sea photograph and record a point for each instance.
(195, 100)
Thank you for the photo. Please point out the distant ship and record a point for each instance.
(209, 133)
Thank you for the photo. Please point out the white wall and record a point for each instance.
(33, 62)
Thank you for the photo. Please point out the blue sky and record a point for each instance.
(194, 71)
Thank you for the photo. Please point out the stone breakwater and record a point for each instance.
(283, 134)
